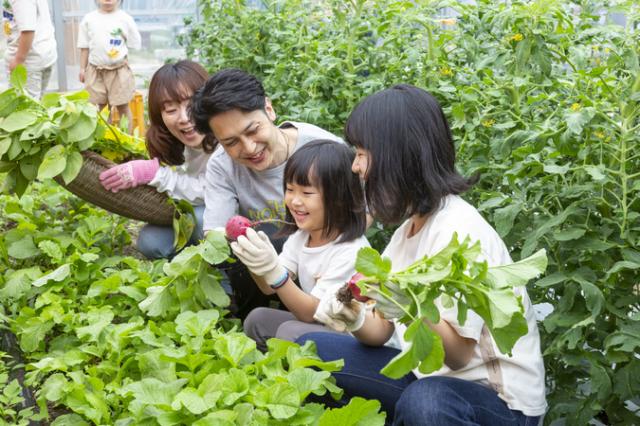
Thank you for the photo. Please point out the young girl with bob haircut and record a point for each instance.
(173, 142)
(406, 157)
(326, 215)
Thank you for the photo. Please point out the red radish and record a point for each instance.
(355, 290)
(237, 226)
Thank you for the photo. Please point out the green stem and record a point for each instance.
(351, 40)
(516, 100)
(415, 300)
(564, 58)
(123, 369)
(430, 51)
(113, 130)
(389, 298)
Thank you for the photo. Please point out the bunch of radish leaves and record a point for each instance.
(456, 276)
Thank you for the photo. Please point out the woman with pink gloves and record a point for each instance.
(178, 153)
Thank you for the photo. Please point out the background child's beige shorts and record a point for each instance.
(110, 86)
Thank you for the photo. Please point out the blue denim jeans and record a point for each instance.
(408, 401)
(156, 242)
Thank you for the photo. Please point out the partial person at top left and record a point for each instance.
(30, 41)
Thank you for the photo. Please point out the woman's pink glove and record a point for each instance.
(129, 175)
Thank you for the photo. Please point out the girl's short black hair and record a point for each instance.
(326, 165)
(411, 153)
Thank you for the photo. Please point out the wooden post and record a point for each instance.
(136, 105)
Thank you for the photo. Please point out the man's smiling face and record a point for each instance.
(249, 138)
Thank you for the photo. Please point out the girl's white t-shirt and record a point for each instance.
(320, 269)
(108, 36)
(184, 182)
(519, 379)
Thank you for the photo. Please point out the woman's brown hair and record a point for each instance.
(172, 82)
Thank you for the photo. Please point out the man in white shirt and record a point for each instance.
(30, 41)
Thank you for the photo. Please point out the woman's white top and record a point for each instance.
(184, 182)
(518, 379)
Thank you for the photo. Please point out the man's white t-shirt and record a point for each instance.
(108, 36)
(320, 269)
(30, 15)
(519, 379)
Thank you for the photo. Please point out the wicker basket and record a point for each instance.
(142, 203)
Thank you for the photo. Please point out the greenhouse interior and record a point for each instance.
(320, 212)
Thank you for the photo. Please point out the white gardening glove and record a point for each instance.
(258, 254)
(386, 307)
(339, 316)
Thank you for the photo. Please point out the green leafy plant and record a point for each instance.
(110, 339)
(12, 411)
(43, 140)
(458, 278)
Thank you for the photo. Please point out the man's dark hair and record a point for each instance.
(226, 90)
(411, 153)
(326, 165)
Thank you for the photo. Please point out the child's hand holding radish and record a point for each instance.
(255, 250)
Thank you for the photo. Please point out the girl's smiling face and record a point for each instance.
(307, 209)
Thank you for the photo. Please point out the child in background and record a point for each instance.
(103, 39)
(172, 139)
(326, 202)
(30, 41)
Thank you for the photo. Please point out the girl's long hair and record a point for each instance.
(411, 153)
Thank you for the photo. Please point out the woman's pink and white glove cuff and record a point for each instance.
(339, 316)
(129, 175)
(260, 257)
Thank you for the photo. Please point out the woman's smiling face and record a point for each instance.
(175, 115)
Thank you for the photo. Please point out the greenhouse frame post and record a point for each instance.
(61, 65)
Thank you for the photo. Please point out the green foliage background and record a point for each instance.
(543, 100)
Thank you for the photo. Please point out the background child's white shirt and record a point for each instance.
(30, 15)
(108, 37)
(519, 379)
(184, 182)
(320, 269)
